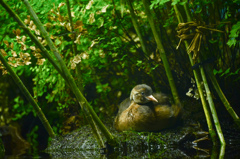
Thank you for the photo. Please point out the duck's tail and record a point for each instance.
(177, 111)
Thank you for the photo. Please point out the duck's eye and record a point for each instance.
(142, 93)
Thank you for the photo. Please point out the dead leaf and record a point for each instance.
(3, 52)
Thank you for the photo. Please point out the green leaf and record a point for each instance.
(182, 3)
(123, 57)
(57, 42)
(139, 63)
(217, 72)
(16, 99)
(100, 22)
(174, 2)
(232, 42)
(156, 3)
(213, 41)
(226, 72)
(199, 10)
(234, 33)
(122, 7)
(236, 72)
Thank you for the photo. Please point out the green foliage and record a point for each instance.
(156, 3)
(20, 109)
(227, 73)
(170, 20)
(174, 2)
(32, 138)
(234, 34)
(104, 88)
(161, 3)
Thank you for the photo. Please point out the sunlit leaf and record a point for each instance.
(14, 54)
(104, 9)
(89, 4)
(91, 18)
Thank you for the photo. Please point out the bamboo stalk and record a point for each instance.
(222, 152)
(178, 14)
(200, 90)
(161, 51)
(76, 91)
(86, 112)
(140, 35)
(203, 100)
(27, 94)
(210, 101)
(222, 96)
(189, 17)
(78, 69)
(82, 100)
(95, 130)
(74, 48)
(211, 105)
(44, 52)
(212, 108)
(214, 152)
(136, 27)
(71, 25)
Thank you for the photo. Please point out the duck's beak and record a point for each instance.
(152, 98)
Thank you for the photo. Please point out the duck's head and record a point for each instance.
(142, 94)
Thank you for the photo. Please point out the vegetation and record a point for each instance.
(91, 53)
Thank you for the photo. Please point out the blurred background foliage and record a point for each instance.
(109, 60)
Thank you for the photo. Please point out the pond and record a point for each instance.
(173, 143)
(187, 139)
(166, 152)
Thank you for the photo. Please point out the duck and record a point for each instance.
(146, 111)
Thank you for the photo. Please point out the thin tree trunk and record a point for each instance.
(210, 101)
(140, 35)
(198, 82)
(82, 100)
(222, 96)
(212, 108)
(29, 97)
(161, 51)
(44, 51)
(61, 67)
(74, 48)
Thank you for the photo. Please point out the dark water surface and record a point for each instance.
(169, 153)
(232, 151)
(177, 142)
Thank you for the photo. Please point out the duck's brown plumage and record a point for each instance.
(146, 111)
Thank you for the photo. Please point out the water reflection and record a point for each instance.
(232, 152)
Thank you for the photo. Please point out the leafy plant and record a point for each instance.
(227, 73)
(32, 138)
(234, 34)
(20, 109)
